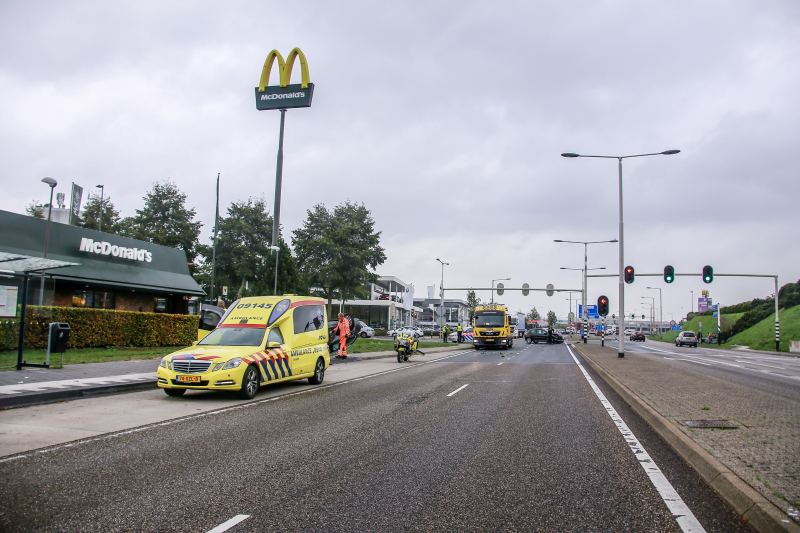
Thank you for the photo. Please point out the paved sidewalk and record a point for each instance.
(33, 386)
(764, 451)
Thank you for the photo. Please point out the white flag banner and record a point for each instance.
(408, 298)
(430, 291)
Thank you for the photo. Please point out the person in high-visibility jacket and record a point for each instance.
(460, 332)
(343, 329)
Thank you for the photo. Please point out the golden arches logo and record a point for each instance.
(284, 68)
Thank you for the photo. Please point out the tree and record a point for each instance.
(33, 210)
(472, 302)
(90, 215)
(245, 262)
(533, 315)
(552, 319)
(337, 249)
(165, 220)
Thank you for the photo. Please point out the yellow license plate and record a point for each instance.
(188, 379)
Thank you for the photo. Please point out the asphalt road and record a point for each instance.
(479, 441)
(774, 374)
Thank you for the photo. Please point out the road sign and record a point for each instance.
(525, 289)
(591, 311)
(672, 322)
(500, 289)
(550, 291)
(716, 314)
(715, 307)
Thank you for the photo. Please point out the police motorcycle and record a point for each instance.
(405, 345)
(333, 336)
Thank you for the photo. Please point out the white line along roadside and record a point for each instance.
(230, 523)
(458, 389)
(683, 515)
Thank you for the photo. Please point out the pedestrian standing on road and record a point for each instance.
(343, 329)
(549, 335)
(460, 330)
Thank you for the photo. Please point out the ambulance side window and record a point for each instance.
(308, 318)
(275, 336)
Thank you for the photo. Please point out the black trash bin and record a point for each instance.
(59, 336)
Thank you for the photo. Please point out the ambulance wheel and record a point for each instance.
(319, 373)
(250, 382)
(175, 392)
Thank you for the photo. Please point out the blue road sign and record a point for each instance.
(591, 312)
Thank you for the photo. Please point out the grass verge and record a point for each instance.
(709, 324)
(762, 335)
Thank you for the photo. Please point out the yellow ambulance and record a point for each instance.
(258, 341)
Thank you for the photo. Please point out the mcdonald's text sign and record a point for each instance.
(284, 96)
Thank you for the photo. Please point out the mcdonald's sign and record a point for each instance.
(284, 96)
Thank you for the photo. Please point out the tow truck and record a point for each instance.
(491, 327)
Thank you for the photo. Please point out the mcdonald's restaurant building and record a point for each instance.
(113, 272)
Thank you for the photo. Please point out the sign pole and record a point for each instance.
(276, 224)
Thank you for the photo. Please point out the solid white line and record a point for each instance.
(458, 389)
(498, 364)
(683, 515)
(230, 523)
(761, 364)
(222, 410)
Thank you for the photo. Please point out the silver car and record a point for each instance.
(686, 337)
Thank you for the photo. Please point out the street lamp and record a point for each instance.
(214, 249)
(660, 310)
(441, 296)
(584, 281)
(100, 217)
(501, 279)
(652, 310)
(691, 301)
(621, 243)
(277, 250)
(585, 261)
(52, 183)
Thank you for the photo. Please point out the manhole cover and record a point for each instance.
(719, 424)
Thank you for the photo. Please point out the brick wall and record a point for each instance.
(135, 301)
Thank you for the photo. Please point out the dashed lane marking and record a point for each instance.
(458, 389)
(230, 523)
(683, 515)
(218, 411)
(761, 364)
(498, 364)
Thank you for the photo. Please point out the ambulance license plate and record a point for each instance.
(188, 379)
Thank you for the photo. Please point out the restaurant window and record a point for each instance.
(94, 299)
(160, 305)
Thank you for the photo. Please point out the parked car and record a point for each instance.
(466, 335)
(537, 335)
(366, 331)
(416, 332)
(686, 337)
(638, 336)
(629, 332)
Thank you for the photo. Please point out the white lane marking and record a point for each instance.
(222, 410)
(230, 523)
(498, 364)
(683, 515)
(698, 362)
(761, 364)
(458, 389)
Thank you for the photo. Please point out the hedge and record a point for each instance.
(102, 327)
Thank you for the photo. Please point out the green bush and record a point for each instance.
(104, 327)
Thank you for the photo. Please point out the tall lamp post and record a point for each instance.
(441, 296)
(652, 310)
(660, 310)
(214, 250)
(52, 183)
(100, 216)
(621, 232)
(501, 279)
(583, 287)
(585, 244)
(277, 250)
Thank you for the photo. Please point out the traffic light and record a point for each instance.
(633, 316)
(708, 274)
(669, 274)
(613, 316)
(642, 317)
(602, 306)
(628, 274)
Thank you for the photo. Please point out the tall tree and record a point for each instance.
(338, 249)
(533, 315)
(472, 302)
(552, 319)
(165, 220)
(34, 210)
(245, 262)
(90, 215)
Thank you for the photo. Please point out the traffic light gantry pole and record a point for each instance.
(773, 276)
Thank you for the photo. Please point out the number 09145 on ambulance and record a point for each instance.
(258, 341)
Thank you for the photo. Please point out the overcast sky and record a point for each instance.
(447, 120)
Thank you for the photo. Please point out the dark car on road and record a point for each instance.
(537, 335)
(638, 336)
